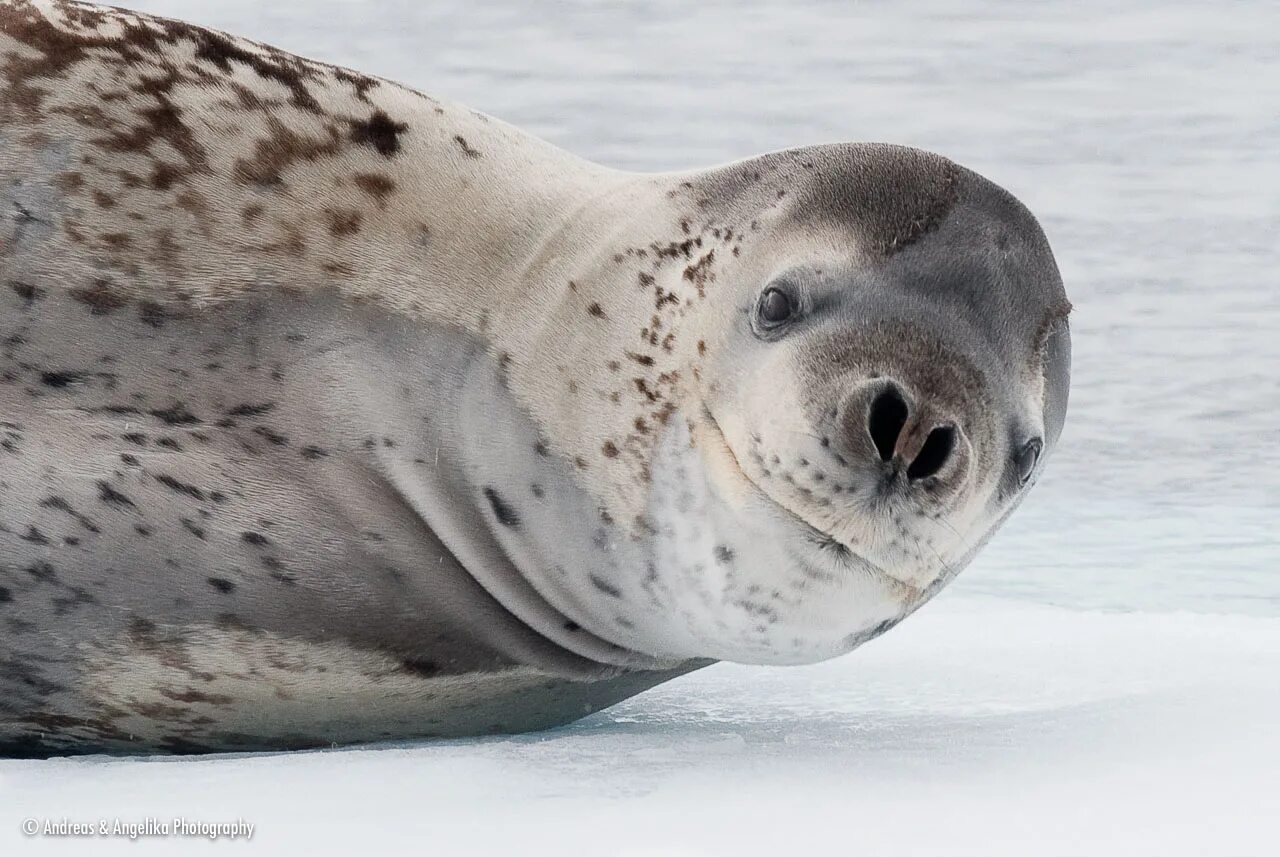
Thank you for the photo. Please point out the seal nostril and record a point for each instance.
(885, 421)
(935, 452)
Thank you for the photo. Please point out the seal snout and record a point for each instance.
(908, 438)
(901, 437)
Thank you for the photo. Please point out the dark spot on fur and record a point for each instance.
(724, 555)
(610, 449)
(250, 410)
(192, 695)
(360, 82)
(59, 380)
(275, 570)
(604, 586)
(377, 186)
(142, 631)
(135, 438)
(42, 571)
(466, 147)
(179, 486)
(699, 273)
(176, 415)
(112, 497)
(271, 436)
(100, 298)
(34, 536)
(253, 538)
(343, 222)
(222, 585)
(643, 387)
(380, 132)
(312, 453)
(501, 510)
(231, 622)
(283, 69)
(60, 504)
(420, 667)
(596, 310)
(153, 314)
(194, 528)
(28, 293)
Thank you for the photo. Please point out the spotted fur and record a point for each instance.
(335, 412)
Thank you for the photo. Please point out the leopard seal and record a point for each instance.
(333, 412)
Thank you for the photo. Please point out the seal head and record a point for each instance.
(874, 386)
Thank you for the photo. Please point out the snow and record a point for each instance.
(1106, 678)
(986, 729)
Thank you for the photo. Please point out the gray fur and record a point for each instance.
(333, 412)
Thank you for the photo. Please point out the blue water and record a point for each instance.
(1143, 134)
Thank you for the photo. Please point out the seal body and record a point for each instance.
(333, 412)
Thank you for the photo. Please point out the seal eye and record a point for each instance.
(776, 307)
(1027, 458)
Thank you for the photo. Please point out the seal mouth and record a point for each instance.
(815, 534)
(823, 540)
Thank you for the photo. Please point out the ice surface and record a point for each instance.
(986, 728)
(1106, 678)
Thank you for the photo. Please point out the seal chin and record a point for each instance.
(826, 543)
